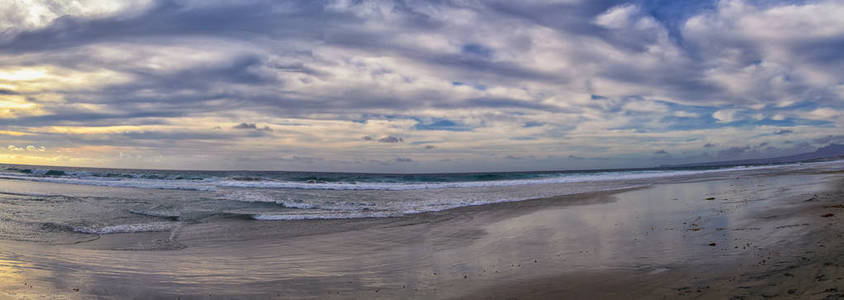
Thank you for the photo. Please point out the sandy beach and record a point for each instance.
(729, 237)
(414, 149)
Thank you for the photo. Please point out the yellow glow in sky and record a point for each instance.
(100, 129)
(12, 106)
(13, 133)
(24, 74)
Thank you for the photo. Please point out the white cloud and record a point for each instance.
(766, 54)
(824, 114)
(514, 84)
(685, 114)
(25, 15)
(725, 116)
(29, 148)
(617, 17)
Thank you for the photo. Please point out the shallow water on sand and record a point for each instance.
(437, 254)
(106, 197)
(59, 213)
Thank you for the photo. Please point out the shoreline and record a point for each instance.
(638, 242)
(669, 167)
(805, 264)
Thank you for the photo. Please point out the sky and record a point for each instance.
(417, 86)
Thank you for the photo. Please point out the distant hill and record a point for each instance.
(831, 152)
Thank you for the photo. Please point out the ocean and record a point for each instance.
(46, 203)
(104, 233)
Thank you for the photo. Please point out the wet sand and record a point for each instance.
(746, 237)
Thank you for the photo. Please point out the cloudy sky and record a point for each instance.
(407, 86)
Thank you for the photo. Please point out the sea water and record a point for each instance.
(46, 203)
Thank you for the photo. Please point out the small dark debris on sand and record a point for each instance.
(710, 198)
(712, 244)
(828, 215)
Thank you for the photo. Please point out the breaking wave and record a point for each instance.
(211, 181)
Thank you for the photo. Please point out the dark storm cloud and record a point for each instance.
(829, 139)
(824, 53)
(509, 103)
(387, 139)
(733, 152)
(490, 70)
(178, 136)
(208, 81)
(251, 126)
(391, 140)
(441, 124)
(94, 119)
(246, 126)
(171, 19)
(559, 16)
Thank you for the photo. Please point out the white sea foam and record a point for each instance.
(30, 194)
(157, 213)
(126, 228)
(269, 198)
(564, 178)
(294, 204)
(259, 197)
(212, 183)
(248, 196)
(401, 208)
(323, 216)
(197, 185)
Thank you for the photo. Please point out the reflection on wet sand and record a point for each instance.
(650, 237)
(10, 270)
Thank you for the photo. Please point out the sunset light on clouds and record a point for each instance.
(416, 86)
